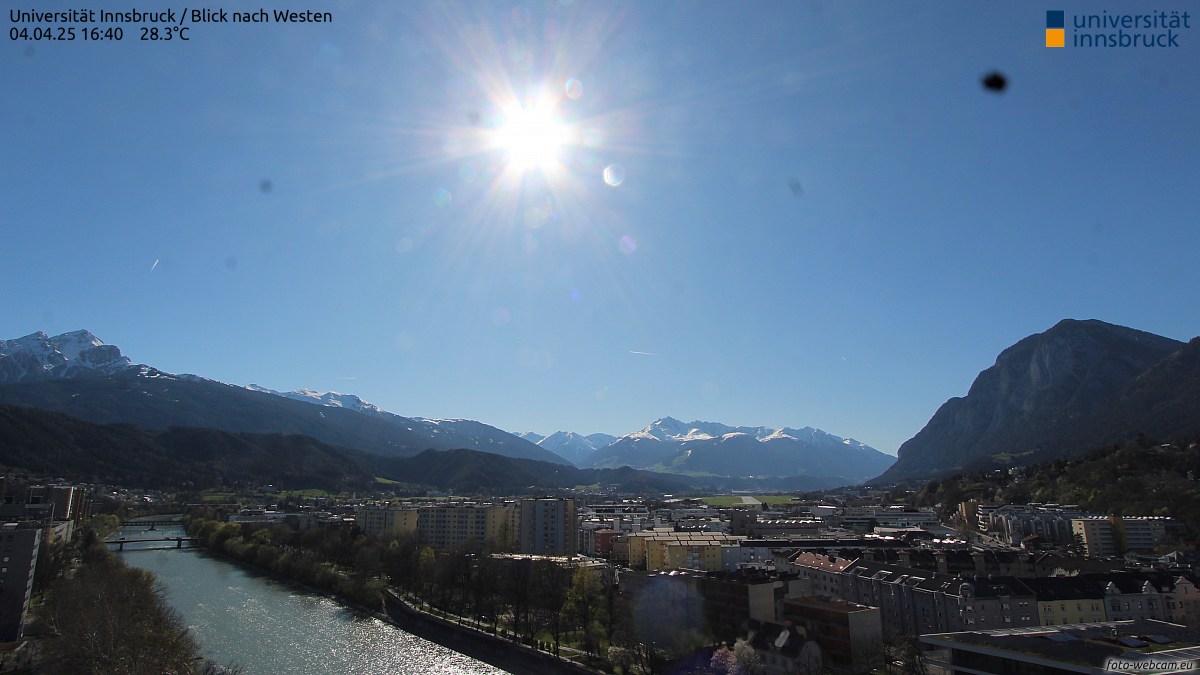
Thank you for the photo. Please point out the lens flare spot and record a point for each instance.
(467, 172)
(614, 175)
(574, 89)
(601, 393)
(538, 215)
(520, 17)
(442, 198)
(404, 245)
(501, 316)
(537, 359)
(575, 295)
(627, 244)
(530, 243)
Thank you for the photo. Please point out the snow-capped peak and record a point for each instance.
(330, 399)
(40, 357)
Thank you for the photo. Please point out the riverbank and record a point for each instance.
(501, 652)
(475, 643)
(265, 624)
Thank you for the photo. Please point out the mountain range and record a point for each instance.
(1076, 387)
(575, 448)
(713, 449)
(78, 375)
(49, 443)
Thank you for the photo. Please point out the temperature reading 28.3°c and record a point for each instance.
(164, 33)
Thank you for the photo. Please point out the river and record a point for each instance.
(268, 627)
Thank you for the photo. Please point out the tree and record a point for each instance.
(548, 593)
(584, 604)
(516, 589)
(110, 618)
(905, 656)
(741, 660)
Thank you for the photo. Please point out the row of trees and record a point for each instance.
(535, 601)
(100, 616)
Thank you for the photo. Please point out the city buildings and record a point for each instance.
(1114, 535)
(18, 560)
(539, 526)
(547, 527)
(1102, 647)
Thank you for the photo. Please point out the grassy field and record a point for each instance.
(311, 492)
(730, 500)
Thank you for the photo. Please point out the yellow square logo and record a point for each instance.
(1056, 37)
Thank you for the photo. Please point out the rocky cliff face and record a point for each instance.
(39, 357)
(1042, 394)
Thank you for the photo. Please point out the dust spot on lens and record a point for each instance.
(995, 81)
(795, 186)
(265, 186)
(231, 263)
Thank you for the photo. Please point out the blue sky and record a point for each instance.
(324, 205)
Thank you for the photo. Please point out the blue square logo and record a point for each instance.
(1056, 18)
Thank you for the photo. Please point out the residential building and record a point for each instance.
(1055, 650)
(850, 634)
(18, 561)
(1067, 600)
(469, 524)
(1114, 535)
(386, 521)
(667, 549)
(547, 527)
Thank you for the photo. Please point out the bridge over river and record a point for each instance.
(121, 541)
(152, 524)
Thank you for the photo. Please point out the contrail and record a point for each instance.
(642, 353)
(154, 265)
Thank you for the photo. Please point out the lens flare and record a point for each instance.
(614, 174)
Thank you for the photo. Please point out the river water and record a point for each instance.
(268, 627)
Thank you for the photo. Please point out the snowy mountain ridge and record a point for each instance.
(38, 356)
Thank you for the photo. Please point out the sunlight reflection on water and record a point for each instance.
(268, 627)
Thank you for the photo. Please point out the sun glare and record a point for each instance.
(532, 137)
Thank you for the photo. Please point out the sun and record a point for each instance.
(532, 137)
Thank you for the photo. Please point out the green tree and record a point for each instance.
(584, 604)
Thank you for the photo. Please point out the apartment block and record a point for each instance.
(18, 560)
(387, 522)
(548, 527)
(1108, 536)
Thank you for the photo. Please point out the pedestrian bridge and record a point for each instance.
(153, 524)
(121, 541)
